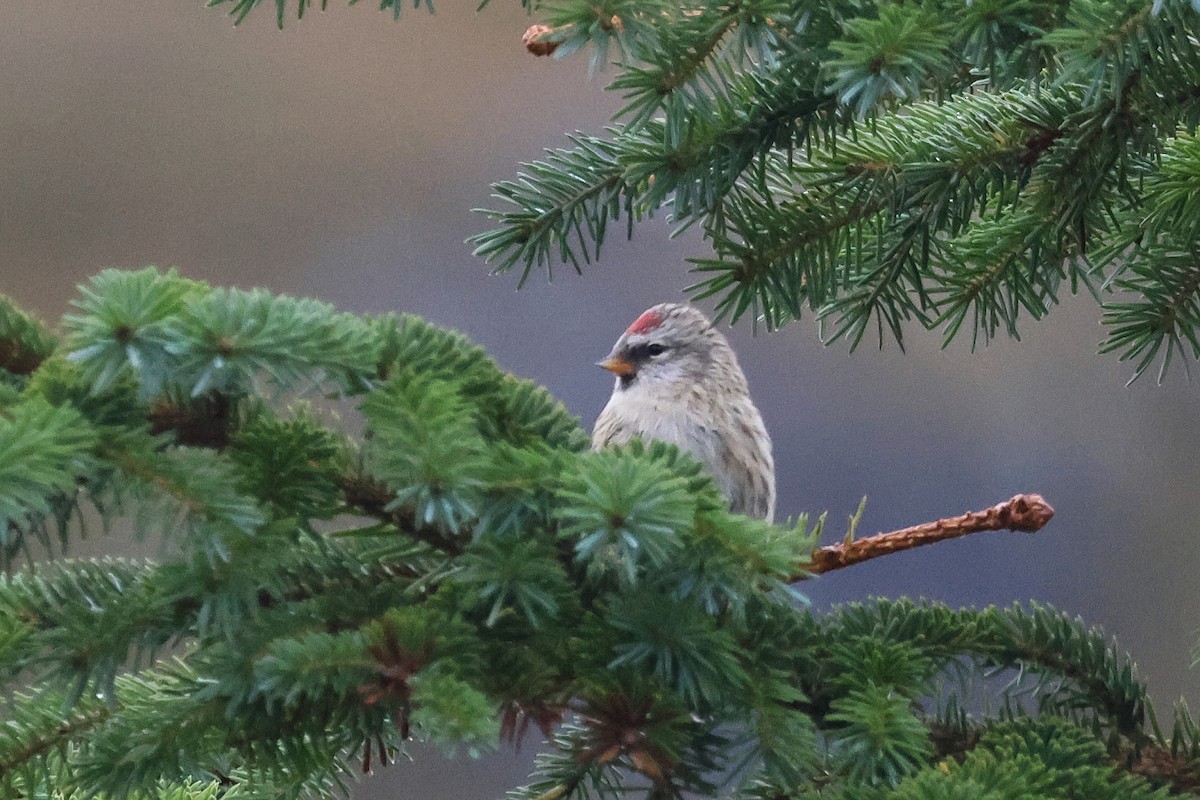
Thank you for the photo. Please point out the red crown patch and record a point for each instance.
(648, 321)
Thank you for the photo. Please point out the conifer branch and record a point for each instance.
(370, 496)
(206, 421)
(1023, 512)
(39, 729)
(512, 568)
(509, 566)
(671, 76)
(17, 358)
(24, 342)
(573, 194)
(1163, 765)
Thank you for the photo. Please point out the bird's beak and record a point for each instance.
(618, 366)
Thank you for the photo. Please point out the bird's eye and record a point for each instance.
(653, 350)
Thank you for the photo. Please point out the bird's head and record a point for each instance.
(668, 342)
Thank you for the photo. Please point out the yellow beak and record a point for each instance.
(618, 366)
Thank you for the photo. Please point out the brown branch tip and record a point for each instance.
(1024, 512)
(535, 40)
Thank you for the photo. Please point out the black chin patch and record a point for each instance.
(627, 380)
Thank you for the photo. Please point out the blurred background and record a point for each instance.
(341, 158)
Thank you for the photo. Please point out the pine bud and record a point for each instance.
(535, 41)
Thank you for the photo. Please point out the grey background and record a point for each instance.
(340, 158)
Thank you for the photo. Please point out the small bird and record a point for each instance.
(679, 381)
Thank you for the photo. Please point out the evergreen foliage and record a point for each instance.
(958, 165)
(466, 570)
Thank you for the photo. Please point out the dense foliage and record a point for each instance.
(958, 165)
(463, 570)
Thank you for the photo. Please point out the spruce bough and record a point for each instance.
(464, 571)
(880, 165)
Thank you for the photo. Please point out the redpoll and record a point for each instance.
(679, 381)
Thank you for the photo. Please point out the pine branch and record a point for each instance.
(679, 59)
(628, 27)
(572, 195)
(86, 620)
(512, 575)
(1023, 512)
(1077, 671)
(1056, 664)
(36, 727)
(45, 452)
(860, 230)
(203, 486)
(1161, 766)
(204, 421)
(564, 203)
(174, 335)
(1041, 113)
(24, 342)
(370, 496)
(888, 59)
(1163, 316)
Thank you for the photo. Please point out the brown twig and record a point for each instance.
(1024, 512)
(206, 421)
(1158, 764)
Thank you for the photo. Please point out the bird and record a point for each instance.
(679, 381)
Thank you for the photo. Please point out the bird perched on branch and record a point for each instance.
(679, 381)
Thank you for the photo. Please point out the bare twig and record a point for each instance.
(1024, 512)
